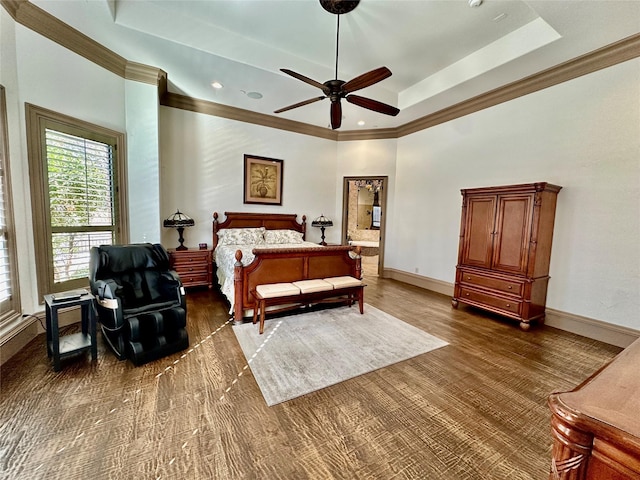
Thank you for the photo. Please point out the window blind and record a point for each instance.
(5, 266)
(81, 200)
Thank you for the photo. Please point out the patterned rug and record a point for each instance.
(301, 353)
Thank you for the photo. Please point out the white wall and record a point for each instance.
(583, 135)
(143, 162)
(202, 164)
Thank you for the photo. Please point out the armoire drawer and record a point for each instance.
(474, 296)
(508, 286)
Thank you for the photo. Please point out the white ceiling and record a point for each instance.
(441, 52)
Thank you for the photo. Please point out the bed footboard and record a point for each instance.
(290, 265)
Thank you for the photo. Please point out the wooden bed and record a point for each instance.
(276, 265)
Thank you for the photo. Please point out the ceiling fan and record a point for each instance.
(335, 90)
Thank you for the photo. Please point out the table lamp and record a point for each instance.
(179, 221)
(322, 222)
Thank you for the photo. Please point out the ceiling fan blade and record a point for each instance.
(366, 79)
(299, 104)
(336, 115)
(304, 79)
(373, 105)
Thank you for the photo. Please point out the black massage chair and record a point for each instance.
(140, 301)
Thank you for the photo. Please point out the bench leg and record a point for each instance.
(255, 313)
(262, 310)
(361, 300)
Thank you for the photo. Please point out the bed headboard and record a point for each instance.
(270, 221)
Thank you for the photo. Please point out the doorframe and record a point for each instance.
(383, 218)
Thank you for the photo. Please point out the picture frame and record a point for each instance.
(263, 180)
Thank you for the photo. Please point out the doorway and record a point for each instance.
(364, 207)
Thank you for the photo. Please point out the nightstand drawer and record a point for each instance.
(191, 279)
(190, 258)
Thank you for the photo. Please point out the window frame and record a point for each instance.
(11, 309)
(38, 120)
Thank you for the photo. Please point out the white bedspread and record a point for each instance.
(225, 258)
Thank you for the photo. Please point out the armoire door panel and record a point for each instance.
(513, 232)
(478, 242)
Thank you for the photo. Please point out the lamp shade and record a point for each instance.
(322, 221)
(179, 219)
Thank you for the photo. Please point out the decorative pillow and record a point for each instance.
(282, 236)
(241, 236)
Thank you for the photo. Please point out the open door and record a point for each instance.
(364, 210)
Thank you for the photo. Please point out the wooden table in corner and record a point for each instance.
(194, 266)
(596, 427)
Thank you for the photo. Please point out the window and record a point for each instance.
(76, 177)
(9, 291)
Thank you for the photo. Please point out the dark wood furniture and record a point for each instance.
(281, 265)
(505, 248)
(61, 347)
(596, 427)
(194, 267)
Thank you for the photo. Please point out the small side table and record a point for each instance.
(60, 347)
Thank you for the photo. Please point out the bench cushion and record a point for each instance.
(315, 285)
(277, 290)
(343, 282)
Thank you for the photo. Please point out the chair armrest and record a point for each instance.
(107, 289)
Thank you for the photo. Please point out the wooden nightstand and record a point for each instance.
(194, 266)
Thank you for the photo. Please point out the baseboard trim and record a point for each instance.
(438, 286)
(587, 327)
(591, 328)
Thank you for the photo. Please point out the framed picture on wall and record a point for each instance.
(263, 180)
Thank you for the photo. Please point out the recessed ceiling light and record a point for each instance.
(217, 85)
(254, 95)
(361, 123)
(475, 3)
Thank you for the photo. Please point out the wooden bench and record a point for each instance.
(305, 292)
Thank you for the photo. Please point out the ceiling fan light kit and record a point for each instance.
(335, 90)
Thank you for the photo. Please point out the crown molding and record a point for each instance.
(138, 72)
(369, 134)
(36, 19)
(625, 49)
(183, 102)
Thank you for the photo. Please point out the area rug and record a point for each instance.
(302, 353)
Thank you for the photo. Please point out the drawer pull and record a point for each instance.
(508, 304)
(468, 278)
(467, 294)
(510, 287)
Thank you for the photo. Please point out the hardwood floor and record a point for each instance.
(475, 409)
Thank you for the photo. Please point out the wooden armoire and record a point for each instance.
(505, 248)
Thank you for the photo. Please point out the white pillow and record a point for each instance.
(241, 236)
(282, 236)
